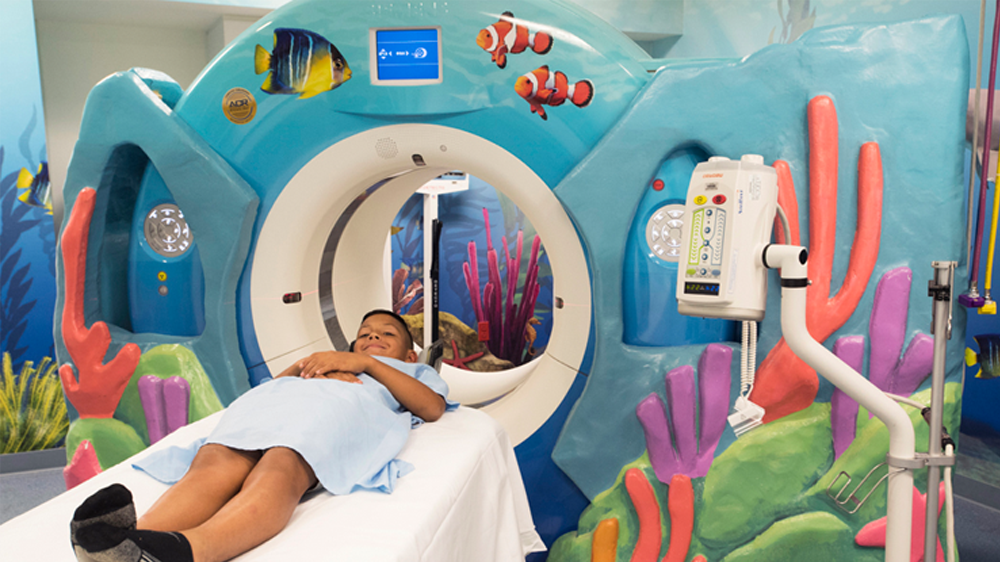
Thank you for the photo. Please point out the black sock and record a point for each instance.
(106, 543)
(111, 505)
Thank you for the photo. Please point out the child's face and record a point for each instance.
(381, 334)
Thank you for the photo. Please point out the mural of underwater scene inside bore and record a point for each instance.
(33, 415)
(485, 241)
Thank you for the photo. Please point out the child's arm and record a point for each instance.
(412, 394)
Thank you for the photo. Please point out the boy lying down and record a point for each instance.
(334, 419)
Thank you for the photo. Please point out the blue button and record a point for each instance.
(716, 272)
(704, 271)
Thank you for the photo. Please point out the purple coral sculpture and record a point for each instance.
(886, 369)
(677, 447)
(165, 403)
(507, 321)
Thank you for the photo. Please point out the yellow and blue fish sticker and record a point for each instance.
(988, 357)
(302, 62)
(36, 190)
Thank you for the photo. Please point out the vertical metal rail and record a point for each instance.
(939, 288)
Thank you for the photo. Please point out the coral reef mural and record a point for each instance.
(34, 414)
(464, 223)
(796, 19)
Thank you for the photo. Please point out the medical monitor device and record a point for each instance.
(405, 56)
(730, 206)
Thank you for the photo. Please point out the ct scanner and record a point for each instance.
(288, 195)
(331, 313)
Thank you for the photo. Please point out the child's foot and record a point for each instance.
(111, 505)
(106, 543)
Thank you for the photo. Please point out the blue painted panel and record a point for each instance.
(901, 85)
(650, 276)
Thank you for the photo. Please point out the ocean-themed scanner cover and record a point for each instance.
(849, 115)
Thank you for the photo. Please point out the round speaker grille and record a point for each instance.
(386, 148)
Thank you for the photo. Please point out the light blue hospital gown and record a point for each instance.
(349, 433)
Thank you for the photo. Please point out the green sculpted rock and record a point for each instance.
(869, 449)
(816, 536)
(761, 477)
(113, 440)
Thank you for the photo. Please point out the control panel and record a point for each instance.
(731, 206)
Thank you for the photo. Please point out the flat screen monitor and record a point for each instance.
(405, 56)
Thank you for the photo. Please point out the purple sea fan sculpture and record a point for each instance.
(886, 369)
(507, 320)
(677, 447)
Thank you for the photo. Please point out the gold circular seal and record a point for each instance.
(239, 106)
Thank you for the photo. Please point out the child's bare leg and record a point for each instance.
(215, 476)
(258, 512)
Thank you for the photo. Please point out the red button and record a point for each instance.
(658, 185)
(719, 199)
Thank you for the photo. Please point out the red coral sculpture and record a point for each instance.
(680, 503)
(785, 384)
(101, 385)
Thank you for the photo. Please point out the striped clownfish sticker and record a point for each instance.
(506, 36)
(542, 87)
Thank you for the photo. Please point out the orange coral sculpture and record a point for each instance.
(785, 384)
(101, 385)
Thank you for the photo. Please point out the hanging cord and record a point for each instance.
(784, 225)
(748, 358)
(974, 272)
(988, 285)
(975, 142)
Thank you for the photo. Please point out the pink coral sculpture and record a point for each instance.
(873, 534)
(508, 322)
(83, 467)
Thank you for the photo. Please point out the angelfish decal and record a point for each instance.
(542, 87)
(302, 62)
(505, 36)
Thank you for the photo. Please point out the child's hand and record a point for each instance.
(337, 376)
(324, 362)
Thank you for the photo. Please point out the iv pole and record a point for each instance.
(902, 441)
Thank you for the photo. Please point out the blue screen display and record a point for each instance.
(407, 54)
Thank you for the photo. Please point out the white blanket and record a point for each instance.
(465, 501)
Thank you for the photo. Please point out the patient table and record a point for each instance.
(465, 501)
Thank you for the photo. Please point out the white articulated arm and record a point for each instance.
(794, 281)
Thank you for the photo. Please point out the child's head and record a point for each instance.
(385, 333)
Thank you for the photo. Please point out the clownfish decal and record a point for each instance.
(505, 36)
(542, 87)
(302, 62)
